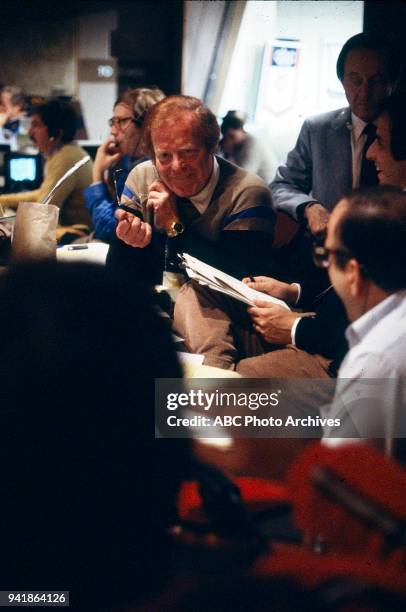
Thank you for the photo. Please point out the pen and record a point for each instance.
(78, 247)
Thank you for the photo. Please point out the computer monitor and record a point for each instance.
(22, 172)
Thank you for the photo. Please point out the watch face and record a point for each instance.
(175, 229)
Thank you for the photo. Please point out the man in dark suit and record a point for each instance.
(329, 156)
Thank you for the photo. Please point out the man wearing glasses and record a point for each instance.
(123, 150)
(366, 253)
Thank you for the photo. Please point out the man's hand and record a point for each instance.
(317, 217)
(271, 286)
(107, 155)
(132, 230)
(273, 322)
(163, 203)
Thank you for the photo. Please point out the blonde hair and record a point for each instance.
(140, 100)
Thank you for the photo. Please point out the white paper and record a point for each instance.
(91, 252)
(219, 281)
(190, 358)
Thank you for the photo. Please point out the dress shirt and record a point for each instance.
(370, 398)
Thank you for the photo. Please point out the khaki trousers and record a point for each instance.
(218, 327)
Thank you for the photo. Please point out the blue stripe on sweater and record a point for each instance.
(259, 212)
(127, 192)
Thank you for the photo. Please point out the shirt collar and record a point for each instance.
(357, 126)
(357, 331)
(202, 199)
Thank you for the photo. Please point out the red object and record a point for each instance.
(313, 569)
(369, 476)
(257, 494)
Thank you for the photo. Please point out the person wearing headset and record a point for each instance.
(117, 156)
(52, 130)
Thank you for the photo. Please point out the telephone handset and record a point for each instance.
(139, 200)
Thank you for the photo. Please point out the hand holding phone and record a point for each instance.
(163, 202)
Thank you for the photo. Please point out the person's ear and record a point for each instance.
(55, 137)
(354, 278)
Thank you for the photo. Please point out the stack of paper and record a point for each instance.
(219, 281)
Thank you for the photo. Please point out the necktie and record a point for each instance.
(368, 176)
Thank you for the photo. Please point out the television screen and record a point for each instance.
(22, 172)
(23, 169)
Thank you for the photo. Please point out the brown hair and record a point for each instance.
(171, 109)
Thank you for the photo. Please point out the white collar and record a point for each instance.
(357, 331)
(202, 199)
(358, 126)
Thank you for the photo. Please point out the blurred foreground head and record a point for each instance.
(87, 491)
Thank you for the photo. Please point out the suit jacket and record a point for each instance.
(319, 167)
(324, 334)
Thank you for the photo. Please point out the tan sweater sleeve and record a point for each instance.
(12, 199)
(55, 168)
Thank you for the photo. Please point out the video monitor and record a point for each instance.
(22, 172)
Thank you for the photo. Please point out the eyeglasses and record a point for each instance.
(120, 122)
(321, 255)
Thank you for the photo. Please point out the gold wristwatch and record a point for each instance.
(176, 228)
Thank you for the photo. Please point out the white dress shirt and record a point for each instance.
(370, 397)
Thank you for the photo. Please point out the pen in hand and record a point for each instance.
(132, 211)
